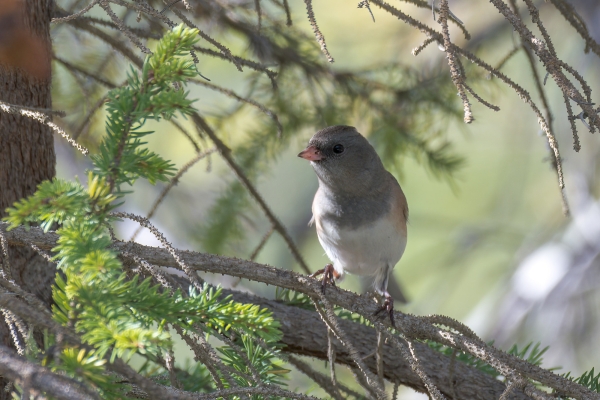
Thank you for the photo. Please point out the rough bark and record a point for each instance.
(26, 147)
(30, 376)
(304, 333)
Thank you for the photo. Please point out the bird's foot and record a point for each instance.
(388, 305)
(329, 276)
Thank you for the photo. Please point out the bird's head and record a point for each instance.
(342, 157)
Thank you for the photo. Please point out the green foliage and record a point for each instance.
(193, 377)
(118, 315)
(149, 95)
(530, 353)
(261, 360)
(89, 367)
(294, 298)
(587, 379)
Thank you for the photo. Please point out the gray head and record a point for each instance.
(344, 160)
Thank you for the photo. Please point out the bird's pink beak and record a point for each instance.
(311, 153)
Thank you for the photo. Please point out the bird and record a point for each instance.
(359, 210)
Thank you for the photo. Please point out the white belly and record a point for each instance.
(364, 251)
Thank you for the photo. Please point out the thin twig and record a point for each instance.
(379, 357)
(243, 62)
(116, 44)
(417, 50)
(569, 13)
(76, 15)
(412, 358)
(259, 14)
(123, 28)
(192, 275)
(5, 260)
(247, 100)
(76, 69)
(331, 357)
(330, 319)
(185, 133)
(288, 13)
(261, 244)
(458, 77)
(43, 119)
(479, 99)
(365, 4)
(318, 35)
(226, 154)
(507, 57)
(169, 358)
(88, 117)
(10, 320)
(320, 379)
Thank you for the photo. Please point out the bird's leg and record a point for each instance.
(329, 276)
(388, 305)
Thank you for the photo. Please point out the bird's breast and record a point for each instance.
(363, 250)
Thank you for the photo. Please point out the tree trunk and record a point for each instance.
(26, 146)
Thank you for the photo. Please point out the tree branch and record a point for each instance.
(32, 376)
(305, 334)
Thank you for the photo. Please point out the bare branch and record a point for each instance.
(576, 22)
(320, 379)
(123, 28)
(76, 15)
(114, 43)
(262, 243)
(455, 69)
(30, 375)
(42, 118)
(303, 332)
(247, 100)
(318, 35)
(417, 50)
(161, 238)
(74, 69)
(226, 154)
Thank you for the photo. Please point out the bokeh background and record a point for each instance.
(488, 244)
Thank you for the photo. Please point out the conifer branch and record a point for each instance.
(303, 331)
(35, 379)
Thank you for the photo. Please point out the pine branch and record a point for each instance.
(34, 378)
(304, 334)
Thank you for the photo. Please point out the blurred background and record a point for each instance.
(488, 243)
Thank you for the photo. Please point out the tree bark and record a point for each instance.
(304, 332)
(26, 147)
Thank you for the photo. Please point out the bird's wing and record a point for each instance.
(399, 206)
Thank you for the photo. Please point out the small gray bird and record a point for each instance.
(359, 209)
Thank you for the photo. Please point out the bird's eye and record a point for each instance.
(338, 149)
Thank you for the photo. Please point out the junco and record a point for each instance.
(359, 209)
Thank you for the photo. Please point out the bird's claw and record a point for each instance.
(328, 276)
(388, 306)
